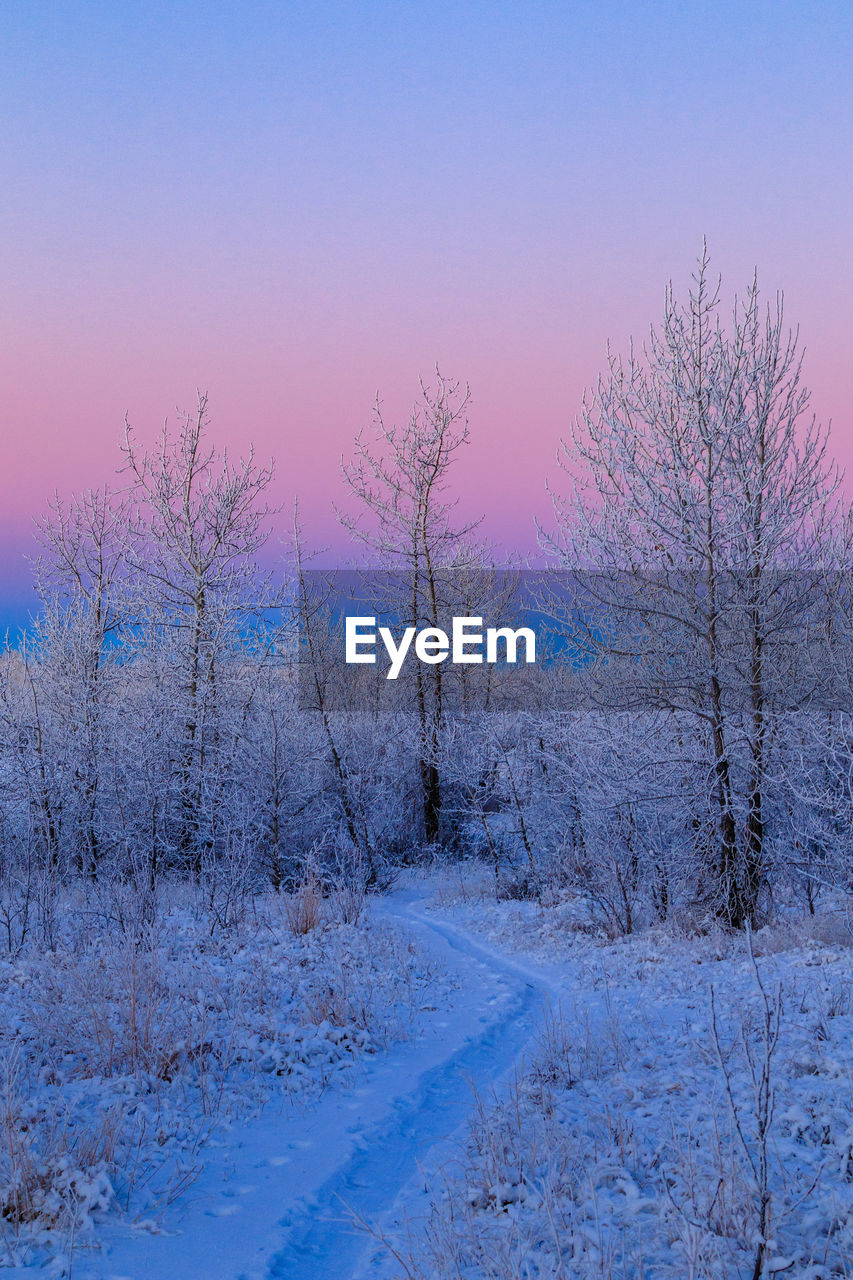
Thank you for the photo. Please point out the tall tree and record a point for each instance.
(81, 578)
(400, 477)
(700, 484)
(203, 521)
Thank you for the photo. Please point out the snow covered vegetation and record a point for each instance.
(257, 941)
(127, 1044)
(685, 1110)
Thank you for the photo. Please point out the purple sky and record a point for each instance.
(294, 206)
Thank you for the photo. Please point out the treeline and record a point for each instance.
(154, 720)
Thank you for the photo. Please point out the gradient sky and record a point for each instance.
(294, 206)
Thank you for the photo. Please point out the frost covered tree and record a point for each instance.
(81, 579)
(702, 500)
(399, 477)
(203, 520)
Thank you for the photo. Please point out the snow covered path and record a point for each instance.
(321, 1244)
(276, 1202)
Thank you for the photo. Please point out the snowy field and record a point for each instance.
(441, 1085)
(685, 1099)
(132, 1052)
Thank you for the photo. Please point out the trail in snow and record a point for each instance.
(276, 1201)
(322, 1243)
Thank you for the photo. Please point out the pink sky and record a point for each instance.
(294, 212)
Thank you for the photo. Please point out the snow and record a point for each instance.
(277, 1199)
(617, 1151)
(522, 1097)
(130, 1061)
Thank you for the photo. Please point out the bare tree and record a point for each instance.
(203, 520)
(701, 496)
(81, 577)
(400, 479)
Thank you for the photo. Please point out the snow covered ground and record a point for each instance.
(687, 1099)
(496, 1092)
(134, 1056)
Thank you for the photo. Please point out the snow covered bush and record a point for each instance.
(686, 1113)
(122, 1049)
